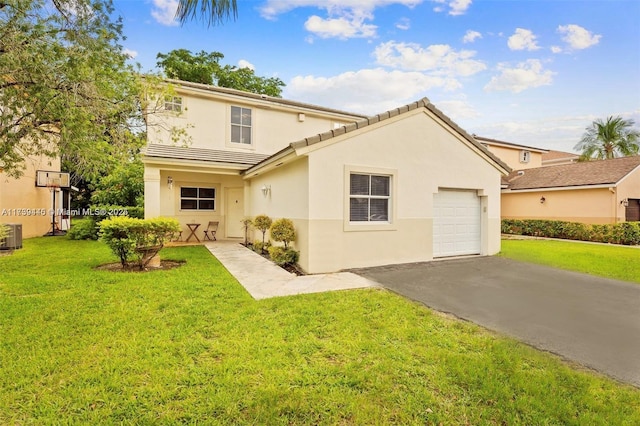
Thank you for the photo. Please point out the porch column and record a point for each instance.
(151, 192)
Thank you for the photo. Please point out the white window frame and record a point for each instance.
(242, 126)
(174, 104)
(525, 156)
(197, 198)
(390, 223)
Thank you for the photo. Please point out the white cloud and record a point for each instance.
(471, 36)
(403, 24)
(272, 8)
(522, 40)
(164, 11)
(130, 53)
(367, 91)
(556, 49)
(343, 27)
(345, 18)
(526, 75)
(578, 37)
(242, 63)
(458, 109)
(455, 7)
(437, 58)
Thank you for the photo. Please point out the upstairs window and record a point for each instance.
(192, 198)
(241, 125)
(173, 103)
(525, 156)
(369, 198)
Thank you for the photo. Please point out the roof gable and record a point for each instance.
(352, 127)
(588, 173)
(495, 142)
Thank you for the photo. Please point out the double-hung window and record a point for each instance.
(241, 125)
(369, 198)
(192, 198)
(173, 103)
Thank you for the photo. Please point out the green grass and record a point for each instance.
(609, 261)
(189, 345)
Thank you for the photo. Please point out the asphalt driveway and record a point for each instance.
(593, 321)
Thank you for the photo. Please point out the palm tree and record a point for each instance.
(213, 11)
(612, 138)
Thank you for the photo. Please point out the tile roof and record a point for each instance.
(258, 97)
(552, 155)
(509, 144)
(245, 159)
(599, 172)
(422, 103)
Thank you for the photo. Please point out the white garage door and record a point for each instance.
(456, 223)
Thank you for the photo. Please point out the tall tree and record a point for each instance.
(65, 87)
(205, 68)
(610, 138)
(212, 11)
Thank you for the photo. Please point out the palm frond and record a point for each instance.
(212, 11)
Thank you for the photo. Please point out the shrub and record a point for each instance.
(137, 241)
(282, 230)
(262, 222)
(260, 247)
(283, 256)
(4, 233)
(83, 229)
(246, 225)
(627, 233)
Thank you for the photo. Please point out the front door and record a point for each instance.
(632, 212)
(234, 213)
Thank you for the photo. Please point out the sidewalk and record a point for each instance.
(264, 279)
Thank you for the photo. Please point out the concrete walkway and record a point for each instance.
(263, 279)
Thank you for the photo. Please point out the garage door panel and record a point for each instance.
(456, 223)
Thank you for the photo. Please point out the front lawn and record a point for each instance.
(189, 345)
(609, 261)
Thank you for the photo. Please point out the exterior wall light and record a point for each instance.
(625, 202)
(266, 190)
(542, 200)
(170, 182)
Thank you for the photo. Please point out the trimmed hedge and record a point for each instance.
(87, 227)
(627, 233)
(137, 241)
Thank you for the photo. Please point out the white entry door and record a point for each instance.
(456, 223)
(234, 213)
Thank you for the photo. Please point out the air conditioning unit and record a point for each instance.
(14, 240)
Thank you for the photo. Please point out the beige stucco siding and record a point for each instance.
(161, 199)
(511, 156)
(594, 206)
(206, 122)
(288, 197)
(22, 202)
(628, 187)
(422, 156)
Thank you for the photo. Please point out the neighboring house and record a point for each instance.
(556, 158)
(403, 186)
(596, 192)
(23, 202)
(514, 155)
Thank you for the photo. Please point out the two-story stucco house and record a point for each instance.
(553, 185)
(402, 186)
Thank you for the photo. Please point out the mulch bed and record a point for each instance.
(165, 265)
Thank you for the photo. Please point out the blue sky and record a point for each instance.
(530, 72)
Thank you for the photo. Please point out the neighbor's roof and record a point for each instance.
(245, 159)
(588, 173)
(489, 141)
(559, 155)
(422, 103)
(263, 98)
